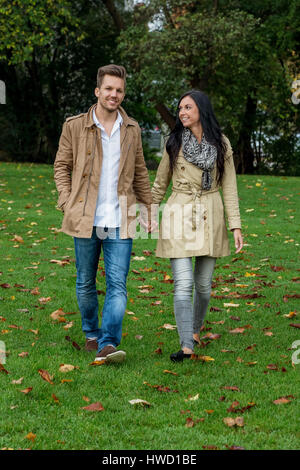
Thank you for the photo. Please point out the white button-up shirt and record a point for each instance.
(108, 212)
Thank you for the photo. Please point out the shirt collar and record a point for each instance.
(118, 121)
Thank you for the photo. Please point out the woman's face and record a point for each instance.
(188, 112)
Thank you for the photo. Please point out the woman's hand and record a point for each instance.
(238, 239)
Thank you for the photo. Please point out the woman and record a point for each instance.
(198, 159)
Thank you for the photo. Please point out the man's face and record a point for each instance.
(111, 93)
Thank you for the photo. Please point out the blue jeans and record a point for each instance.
(116, 254)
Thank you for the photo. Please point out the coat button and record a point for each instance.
(204, 217)
(89, 152)
(183, 168)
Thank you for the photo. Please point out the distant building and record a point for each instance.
(153, 137)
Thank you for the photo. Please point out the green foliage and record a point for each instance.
(27, 25)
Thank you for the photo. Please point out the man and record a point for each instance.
(100, 173)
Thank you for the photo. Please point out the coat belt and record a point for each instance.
(192, 191)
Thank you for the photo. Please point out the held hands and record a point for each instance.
(149, 224)
(238, 239)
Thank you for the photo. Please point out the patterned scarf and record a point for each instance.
(202, 155)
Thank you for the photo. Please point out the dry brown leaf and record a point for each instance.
(30, 436)
(238, 421)
(283, 400)
(233, 388)
(93, 407)
(18, 381)
(67, 367)
(45, 376)
(237, 330)
(55, 398)
(26, 390)
(23, 354)
(169, 372)
(189, 423)
(2, 369)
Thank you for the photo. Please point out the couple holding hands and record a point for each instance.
(100, 174)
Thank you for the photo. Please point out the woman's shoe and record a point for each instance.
(179, 356)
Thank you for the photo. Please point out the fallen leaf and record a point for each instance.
(233, 388)
(238, 421)
(167, 326)
(55, 398)
(26, 390)
(2, 369)
(189, 423)
(18, 239)
(66, 367)
(138, 401)
(35, 291)
(194, 398)
(23, 354)
(169, 372)
(201, 358)
(30, 436)
(45, 376)
(237, 330)
(44, 300)
(93, 407)
(60, 262)
(283, 400)
(18, 381)
(57, 314)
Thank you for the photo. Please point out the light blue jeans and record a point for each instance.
(116, 254)
(190, 316)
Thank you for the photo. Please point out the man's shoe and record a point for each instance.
(179, 356)
(91, 344)
(110, 354)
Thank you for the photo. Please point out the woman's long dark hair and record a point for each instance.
(210, 126)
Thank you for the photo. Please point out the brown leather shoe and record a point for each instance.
(91, 344)
(110, 354)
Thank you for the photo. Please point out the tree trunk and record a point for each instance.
(244, 158)
(166, 115)
(117, 18)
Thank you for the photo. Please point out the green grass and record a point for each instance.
(268, 209)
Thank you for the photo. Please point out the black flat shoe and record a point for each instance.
(179, 356)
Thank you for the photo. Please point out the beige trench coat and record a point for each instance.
(193, 220)
(77, 173)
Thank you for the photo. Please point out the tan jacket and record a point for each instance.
(193, 222)
(77, 172)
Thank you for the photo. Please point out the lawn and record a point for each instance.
(240, 391)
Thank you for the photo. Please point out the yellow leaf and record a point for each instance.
(31, 436)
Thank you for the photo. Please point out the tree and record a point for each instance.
(224, 48)
(49, 55)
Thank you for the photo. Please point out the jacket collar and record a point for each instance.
(127, 121)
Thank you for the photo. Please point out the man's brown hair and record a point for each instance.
(111, 69)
